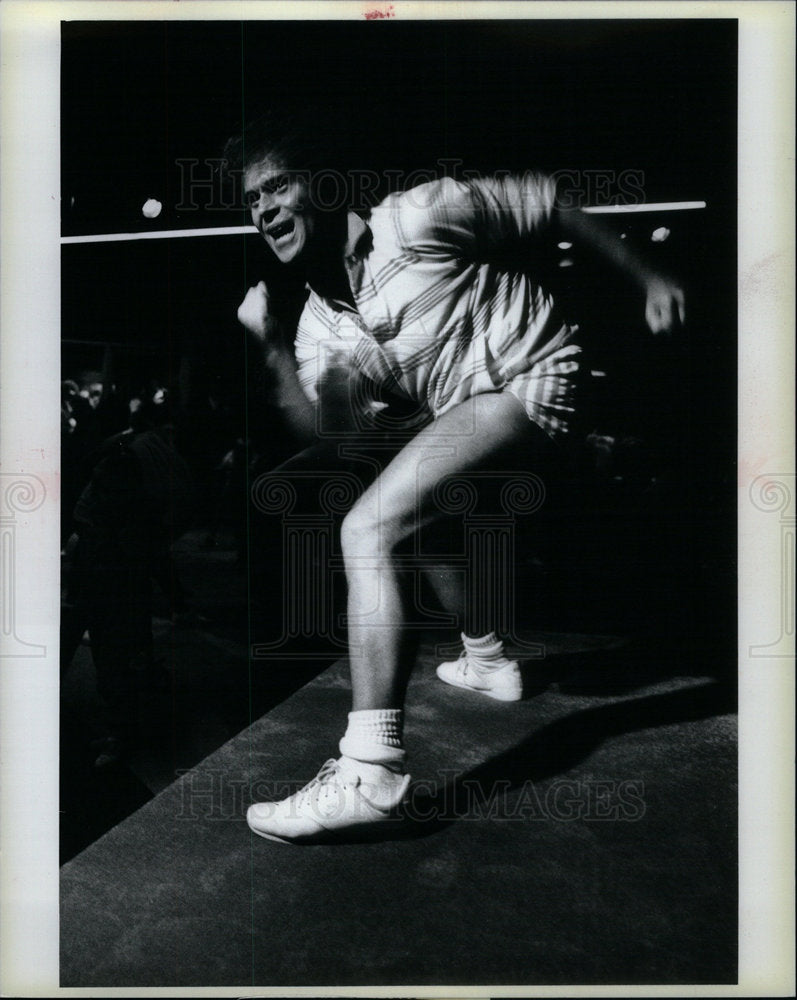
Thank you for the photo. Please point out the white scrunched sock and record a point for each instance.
(485, 652)
(375, 736)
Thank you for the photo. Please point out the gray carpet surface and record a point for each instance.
(583, 835)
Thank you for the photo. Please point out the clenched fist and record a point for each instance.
(664, 306)
(253, 312)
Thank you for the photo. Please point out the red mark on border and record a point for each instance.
(375, 14)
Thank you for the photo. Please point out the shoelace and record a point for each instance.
(329, 771)
(465, 668)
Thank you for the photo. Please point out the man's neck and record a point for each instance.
(326, 272)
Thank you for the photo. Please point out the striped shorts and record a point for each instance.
(548, 391)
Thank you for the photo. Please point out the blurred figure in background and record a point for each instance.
(137, 502)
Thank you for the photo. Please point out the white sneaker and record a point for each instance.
(337, 799)
(502, 683)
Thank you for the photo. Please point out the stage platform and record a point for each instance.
(584, 835)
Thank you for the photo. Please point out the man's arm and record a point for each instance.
(255, 316)
(664, 297)
(318, 388)
(521, 208)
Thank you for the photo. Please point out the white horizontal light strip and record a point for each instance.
(661, 206)
(170, 234)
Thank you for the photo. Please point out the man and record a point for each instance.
(432, 298)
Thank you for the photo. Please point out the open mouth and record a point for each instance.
(281, 231)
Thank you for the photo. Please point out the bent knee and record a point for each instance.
(359, 532)
(368, 531)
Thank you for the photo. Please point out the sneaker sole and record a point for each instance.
(495, 695)
(297, 841)
(345, 834)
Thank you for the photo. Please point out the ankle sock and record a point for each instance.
(486, 652)
(375, 736)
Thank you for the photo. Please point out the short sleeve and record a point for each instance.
(321, 334)
(311, 332)
(514, 208)
(474, 217)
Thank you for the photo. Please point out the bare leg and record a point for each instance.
(369, 779)
(484, 430)
(449, 587)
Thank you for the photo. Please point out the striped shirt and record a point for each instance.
(446, 306)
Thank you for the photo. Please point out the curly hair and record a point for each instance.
(302, 140)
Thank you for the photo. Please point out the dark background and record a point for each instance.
(655, 97)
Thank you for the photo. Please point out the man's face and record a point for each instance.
(280, 205)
